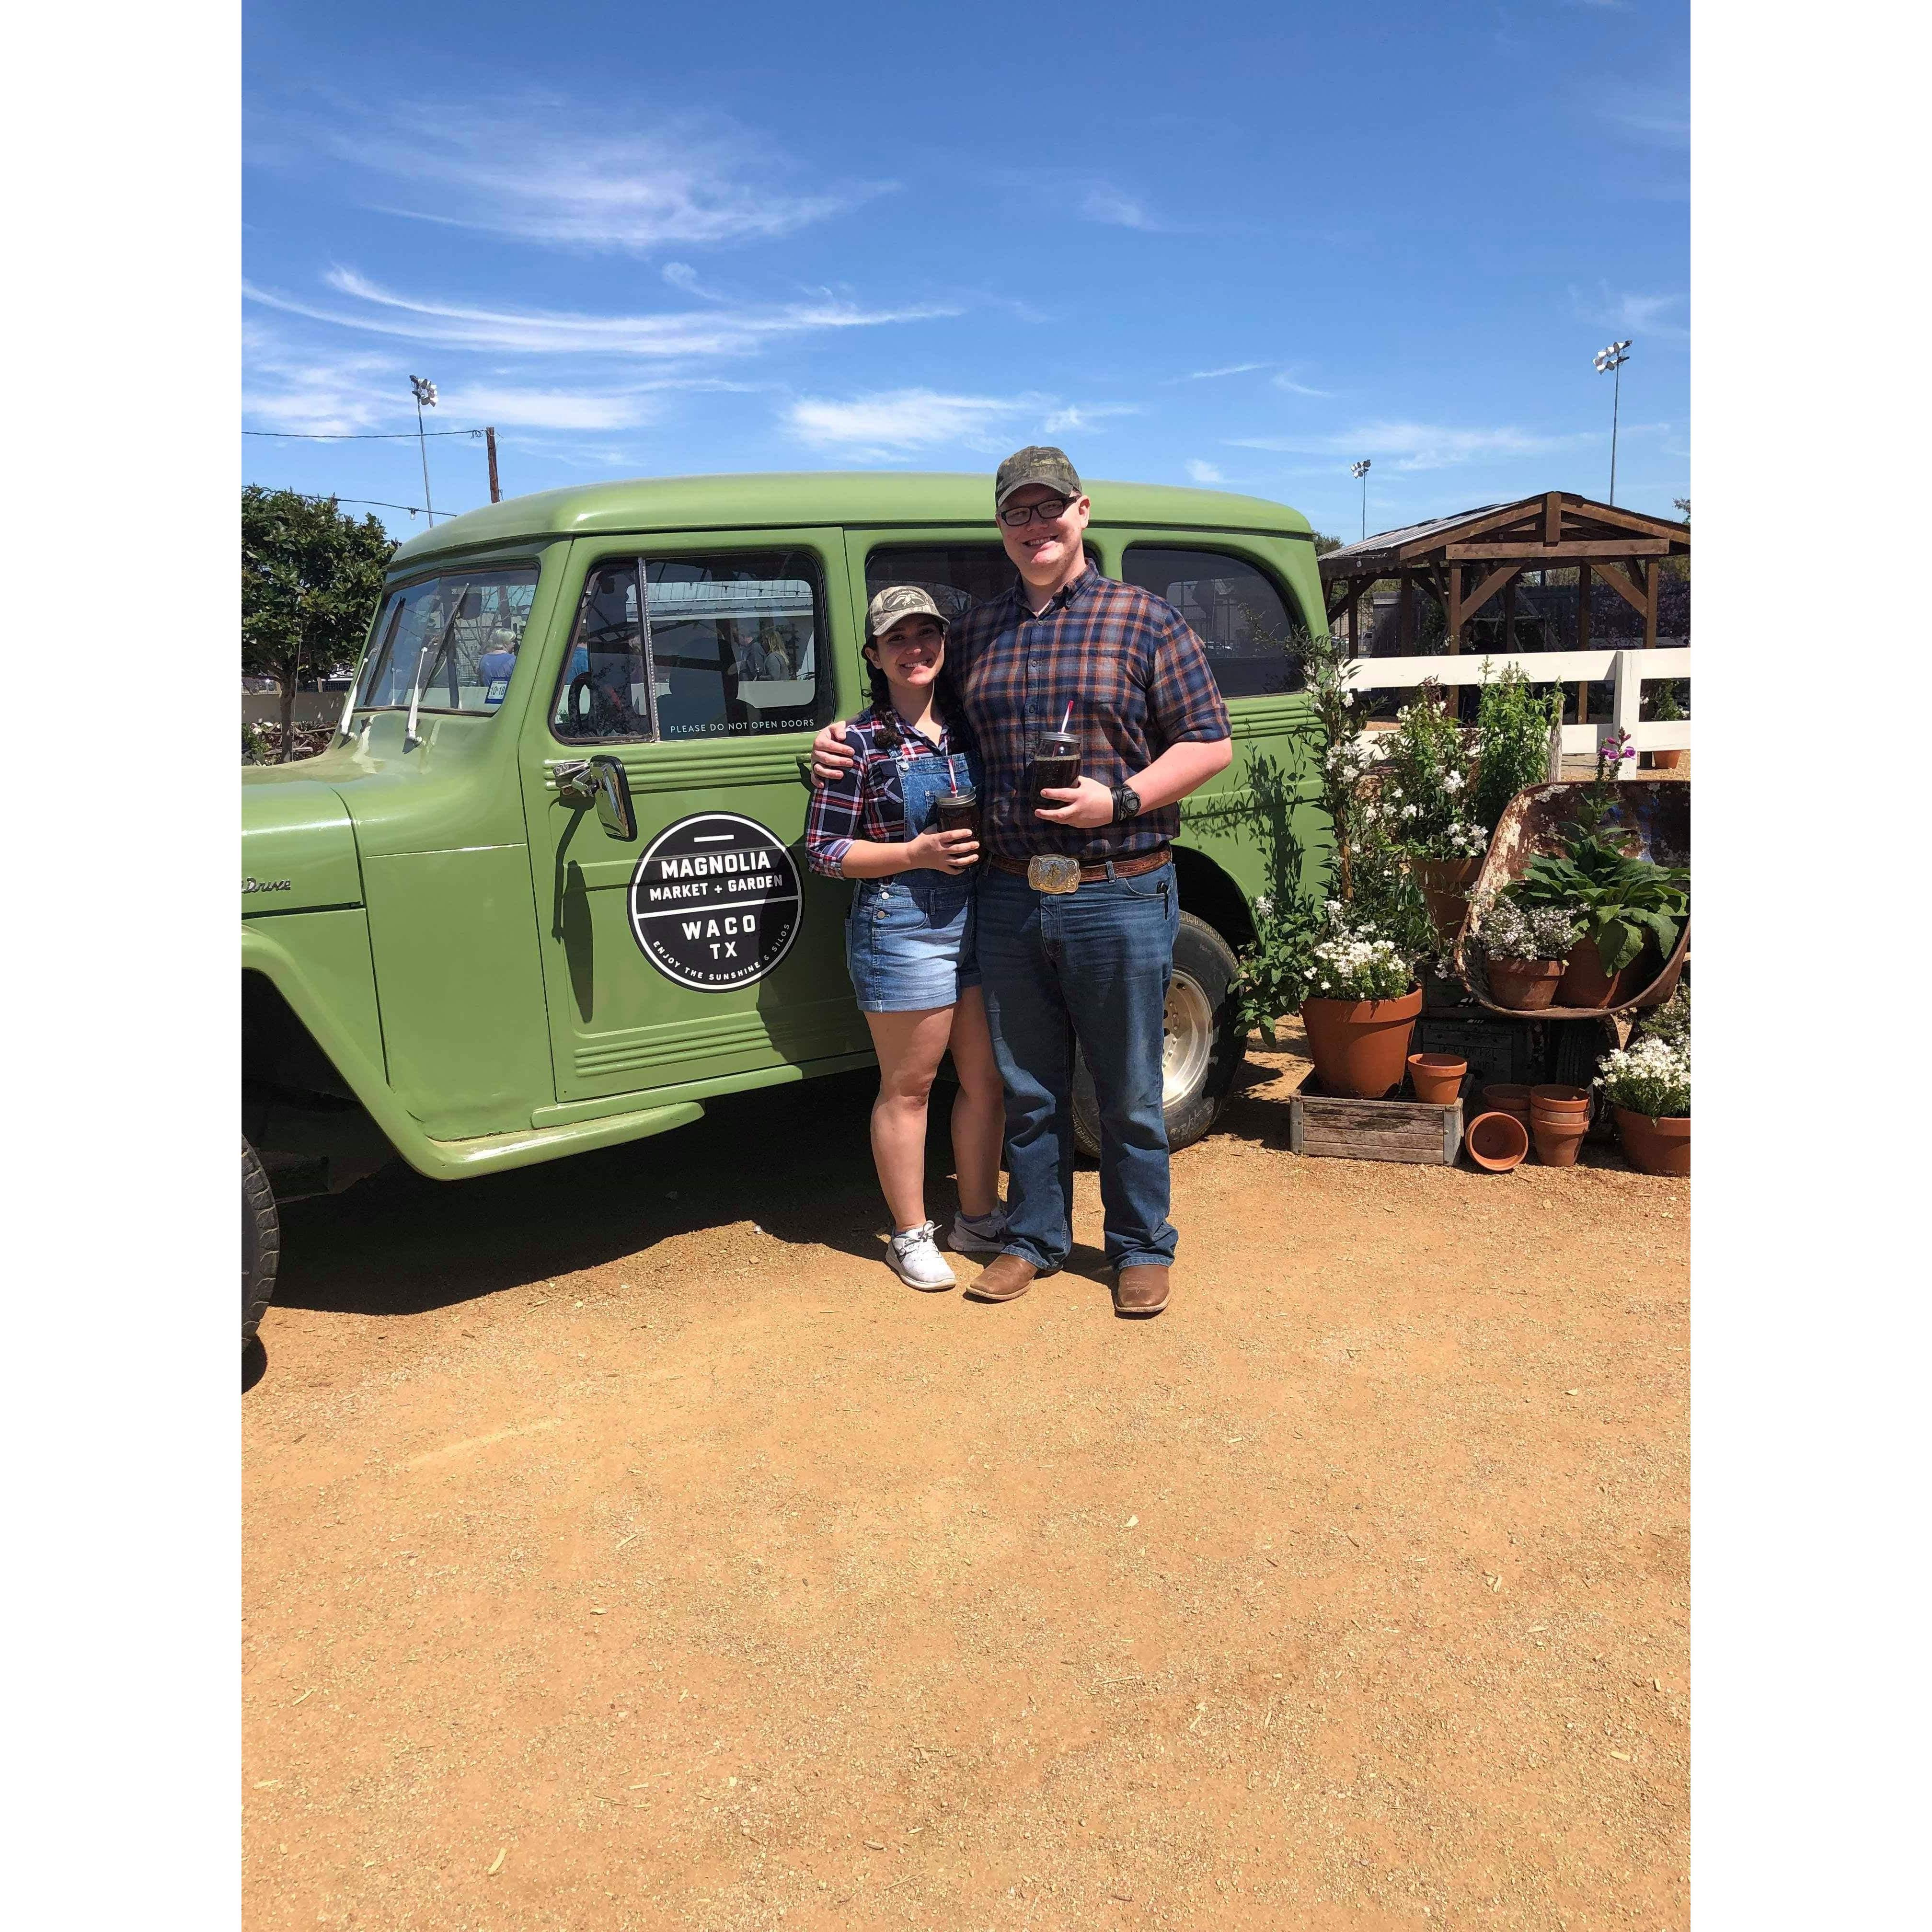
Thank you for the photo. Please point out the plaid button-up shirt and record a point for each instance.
(869, 801)
(1138, 679)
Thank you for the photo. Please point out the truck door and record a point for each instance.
(706, 949)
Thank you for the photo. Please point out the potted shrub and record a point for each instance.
(1361, 1009)
(1667, 708)
(1512, 753)
(1648, 1086)
(1351, 967)
(1425, 798)
(1524, 949)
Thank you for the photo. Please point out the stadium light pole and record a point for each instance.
(1360, 471)
(424, 391)
(1611, 362)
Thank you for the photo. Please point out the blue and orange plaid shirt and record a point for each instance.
(1137, 680)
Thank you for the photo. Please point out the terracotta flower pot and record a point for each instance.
(1504, 1097)
(1360, 1046)
(1560, 1100)
(1496, 1141)
(1667, 761)
(1558, 1135)
(1437, 1078)
(1525, 985)
(1585, 983)
(1445, 884)
(1655, 1147)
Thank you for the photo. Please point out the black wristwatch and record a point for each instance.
(1126, 803)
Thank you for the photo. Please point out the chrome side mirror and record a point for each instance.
(615, 812)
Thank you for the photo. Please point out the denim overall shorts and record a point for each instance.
(909, 939)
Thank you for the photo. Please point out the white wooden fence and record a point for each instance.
(1628, 672)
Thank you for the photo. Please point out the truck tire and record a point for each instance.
(261, 1243)
(1204, 1046)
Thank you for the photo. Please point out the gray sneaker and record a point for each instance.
(984, 1236)
(914, 1257)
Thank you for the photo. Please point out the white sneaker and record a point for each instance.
(914, 1257)
(980, 1236)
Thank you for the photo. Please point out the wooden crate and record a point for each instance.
(1324, 1126)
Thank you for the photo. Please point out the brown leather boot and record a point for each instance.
(1005, 1279)
(1142, 1290)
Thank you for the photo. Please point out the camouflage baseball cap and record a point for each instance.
(1038, 463)
(898, 601)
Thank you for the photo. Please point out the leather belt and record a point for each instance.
(1122, 868)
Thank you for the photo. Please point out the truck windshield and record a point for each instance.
(456, 636)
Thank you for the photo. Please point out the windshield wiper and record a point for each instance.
(409, 737)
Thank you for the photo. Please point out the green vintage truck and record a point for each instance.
(544, 891)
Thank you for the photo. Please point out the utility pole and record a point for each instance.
(425, 393)
(1612, 360)
(496, 488)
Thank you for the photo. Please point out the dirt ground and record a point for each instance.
(626, 1547)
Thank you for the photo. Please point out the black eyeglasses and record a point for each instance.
(1049, 512)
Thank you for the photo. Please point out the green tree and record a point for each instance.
(311, 577)
(1324, 543)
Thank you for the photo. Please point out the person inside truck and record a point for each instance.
(1078, 909)
(909, 934)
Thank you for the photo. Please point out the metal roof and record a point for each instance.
(1388, 539)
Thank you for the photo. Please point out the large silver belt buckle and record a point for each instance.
(1053, 872)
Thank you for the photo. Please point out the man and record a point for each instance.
(1077, 908)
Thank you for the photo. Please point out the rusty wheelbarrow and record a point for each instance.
(1658, 811)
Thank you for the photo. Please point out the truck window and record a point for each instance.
(605, 691)
(732, 650)
(458, 635)
(958, 576)
(1233, 607)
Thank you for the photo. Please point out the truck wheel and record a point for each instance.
(261, 1243)
(1203, 1042)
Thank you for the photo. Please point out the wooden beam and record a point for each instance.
(1405, 606)
(1452, 611)
(1628, 520)
(1341, 589)
(1489, 586)
(1652, 583)
(1608, 550)
(1582, 635)
(1354, 642)
(1473, 527)
(1629, 588)
(1553, 519)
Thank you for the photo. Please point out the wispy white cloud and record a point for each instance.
(1285, 381)
(1411, 446)
(1657, 116)
(898, 421)
(1231, 369)
(1088, 416)
(526, 168)
(1203, 473)
(1658, 318)
(1104, 202)
(366, 306)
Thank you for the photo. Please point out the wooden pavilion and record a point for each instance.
(1466, 562)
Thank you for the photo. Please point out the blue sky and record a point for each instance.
(1240, 247)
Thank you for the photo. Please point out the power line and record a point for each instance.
(374, 502)
(365, 435)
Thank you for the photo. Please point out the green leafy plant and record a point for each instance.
(1666, 702)
(1512, 727)
(1511, 930)
(1619, 901)
(1671, 1021)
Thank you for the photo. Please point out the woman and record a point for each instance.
(909, 935)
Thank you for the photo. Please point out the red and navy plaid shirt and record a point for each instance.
(869, 801)
(1138, 679)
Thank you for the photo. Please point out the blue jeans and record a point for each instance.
(1092, 965)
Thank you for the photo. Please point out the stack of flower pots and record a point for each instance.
(1559, 1117)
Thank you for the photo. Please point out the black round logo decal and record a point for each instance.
(715, 901)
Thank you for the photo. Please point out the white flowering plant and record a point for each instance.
(1426, 788)
(1511, 930)
(1651, 1076)
(1355, 962)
